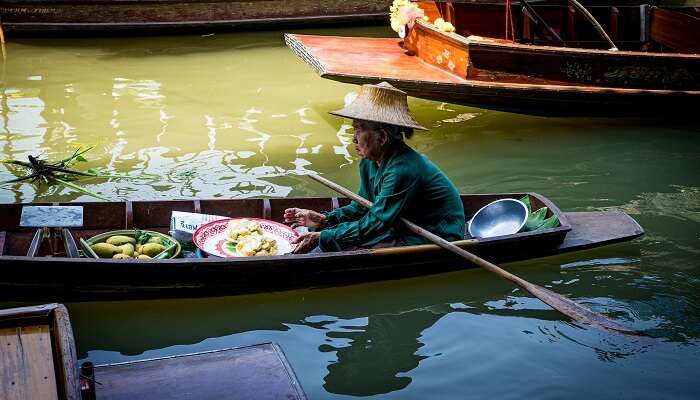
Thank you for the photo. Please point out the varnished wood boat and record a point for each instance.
(158, 16)
(656, 71)
(38, 361)
(25, 277)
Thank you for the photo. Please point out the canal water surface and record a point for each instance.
(238, 115)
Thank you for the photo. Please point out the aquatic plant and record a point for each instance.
(60, 172)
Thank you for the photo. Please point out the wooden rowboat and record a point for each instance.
(158, 16)
(39, 361)
(530, 74)
(24, 277)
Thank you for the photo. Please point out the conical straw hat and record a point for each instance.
(380, 103)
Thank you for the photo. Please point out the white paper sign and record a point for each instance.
(183, 224)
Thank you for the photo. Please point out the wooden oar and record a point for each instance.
(560, 303)
(595, 23)
(2, 42)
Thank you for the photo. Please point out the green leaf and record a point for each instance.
(534, 220)
(80, 158)
(526, 200)
(551, 222)
(142, 237)
(79, 152)
(82, 189)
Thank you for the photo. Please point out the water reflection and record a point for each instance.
(227, 161)
(388, 342)
(375, 338)
(198, 136)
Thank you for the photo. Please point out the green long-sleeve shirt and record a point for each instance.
(407, 185)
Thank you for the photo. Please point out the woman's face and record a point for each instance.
(367, 143)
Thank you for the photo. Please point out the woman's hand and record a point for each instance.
(304, 217)
(306, 243)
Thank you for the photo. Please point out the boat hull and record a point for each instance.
(158, 16)
(371, 60)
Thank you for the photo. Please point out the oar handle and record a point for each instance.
(560, 303)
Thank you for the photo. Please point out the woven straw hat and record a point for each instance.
(380, 103)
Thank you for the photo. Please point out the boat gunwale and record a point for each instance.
(524, 87)
(458, 39)
(250, 22)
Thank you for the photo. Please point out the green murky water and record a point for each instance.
(237, 115)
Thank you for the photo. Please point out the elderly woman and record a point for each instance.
(399, 181)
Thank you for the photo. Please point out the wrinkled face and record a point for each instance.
(368, 144)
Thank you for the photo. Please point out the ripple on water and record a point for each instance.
(683, 204)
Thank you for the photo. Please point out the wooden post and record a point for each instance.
(614, 20)
(571, 23)
(450, 13)
(527, 32)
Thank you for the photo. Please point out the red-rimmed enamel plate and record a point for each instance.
(211, 237)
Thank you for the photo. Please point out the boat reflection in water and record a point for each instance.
(377, 333)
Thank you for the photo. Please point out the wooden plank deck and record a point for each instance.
(597, 228)
(37, 354)
(254, 372)
(26, 364)
(380, 58)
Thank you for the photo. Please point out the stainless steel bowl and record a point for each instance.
(498, 218)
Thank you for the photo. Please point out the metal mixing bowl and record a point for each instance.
(501, 217)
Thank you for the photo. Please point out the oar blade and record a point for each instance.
(576, 311)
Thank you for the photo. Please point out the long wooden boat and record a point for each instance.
(27, 277)
(657, 70)
(158, 16)
(39, 361)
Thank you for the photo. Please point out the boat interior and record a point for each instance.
(559, 47)
(99, 217)
(634, 27)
